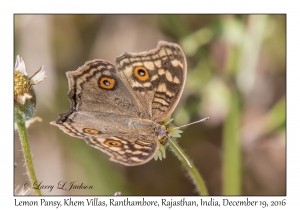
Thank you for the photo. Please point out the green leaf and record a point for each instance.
(167, 121)
(161, 153)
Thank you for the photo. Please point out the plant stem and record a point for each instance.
(232, 166)
(27, 155)
(189, 166)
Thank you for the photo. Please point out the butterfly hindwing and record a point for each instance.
(116, 138)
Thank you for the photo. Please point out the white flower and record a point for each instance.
(22, 98)
(20, 65)
(23, 84)
(38, 76)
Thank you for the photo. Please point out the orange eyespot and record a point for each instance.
(107, 83)
(113, 143)
(141, 73)
(90, 131)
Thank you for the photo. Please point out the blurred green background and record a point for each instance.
(236, 76)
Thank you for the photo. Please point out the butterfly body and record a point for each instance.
(119, 110)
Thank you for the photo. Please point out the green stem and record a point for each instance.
(232, 166)
(189, 166)
(27, 154)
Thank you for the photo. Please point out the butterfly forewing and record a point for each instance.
(155, 77)
(95, 87)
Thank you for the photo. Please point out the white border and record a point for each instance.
(153, 6)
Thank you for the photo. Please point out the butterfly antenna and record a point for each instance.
(180, 152)
(204, 119)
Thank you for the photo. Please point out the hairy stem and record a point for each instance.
(27, 154)
(189, 166)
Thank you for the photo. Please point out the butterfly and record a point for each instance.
(120, 109)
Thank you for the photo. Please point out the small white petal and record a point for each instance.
(22, 99)
(20, 65)
(29, 122)
(38, 76)
(33, 120)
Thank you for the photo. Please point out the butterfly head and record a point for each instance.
(161, 132)
(166, 130)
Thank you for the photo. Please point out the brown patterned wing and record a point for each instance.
(96, 87)
(156, 78)
(105, 114)
(130, 153)
(127, 141)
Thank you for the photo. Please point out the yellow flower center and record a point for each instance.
(21, 84)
